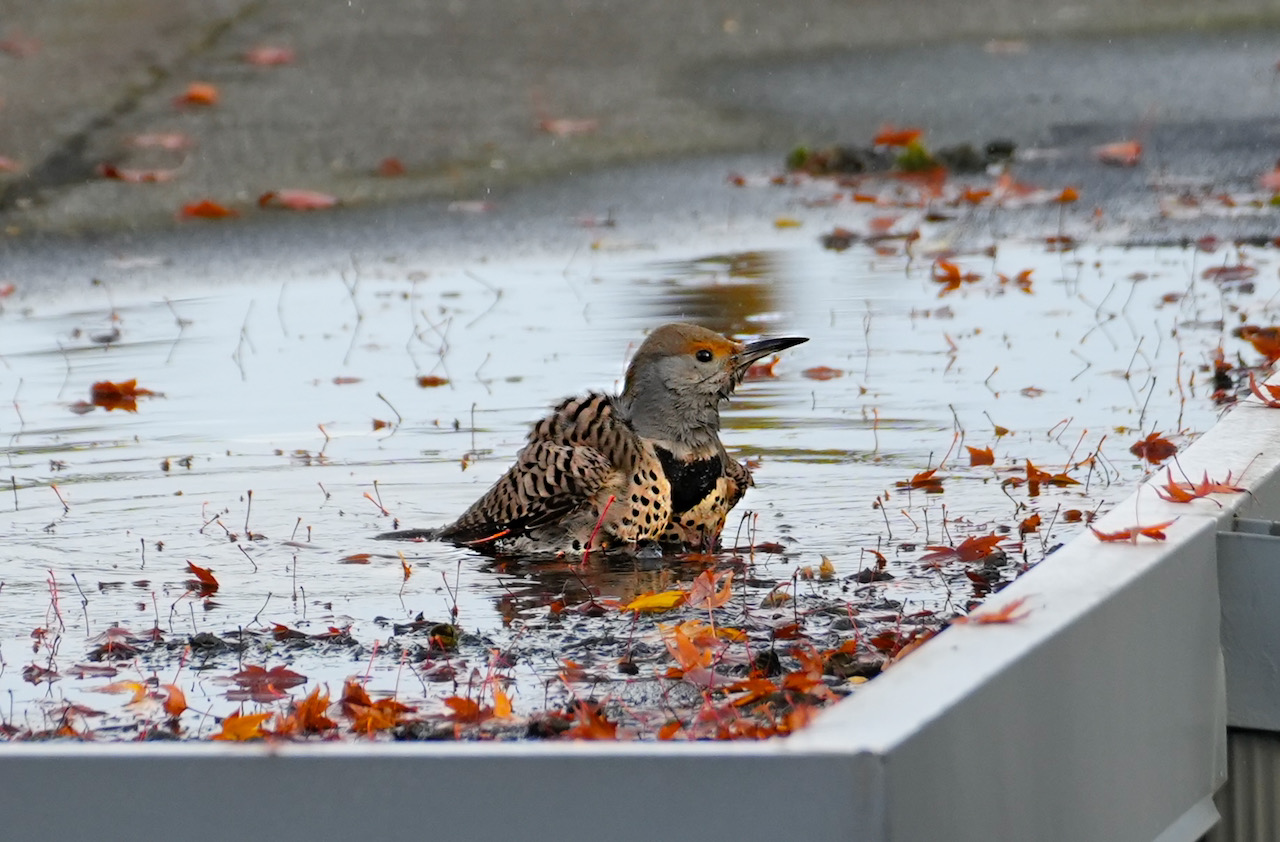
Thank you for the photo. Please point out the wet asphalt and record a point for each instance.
(471, 99)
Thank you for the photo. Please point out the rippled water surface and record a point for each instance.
(263, 458)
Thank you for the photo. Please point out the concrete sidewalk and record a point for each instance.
(470, 97)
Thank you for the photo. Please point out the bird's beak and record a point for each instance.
(753, 351)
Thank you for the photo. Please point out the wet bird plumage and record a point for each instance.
(643, 467)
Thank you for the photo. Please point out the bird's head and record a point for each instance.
(681, 373)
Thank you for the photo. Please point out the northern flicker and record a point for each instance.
(639, 469)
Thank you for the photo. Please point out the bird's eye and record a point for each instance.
(704, 356)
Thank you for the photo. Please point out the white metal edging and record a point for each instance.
(1101, 715)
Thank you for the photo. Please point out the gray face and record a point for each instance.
(705, 374)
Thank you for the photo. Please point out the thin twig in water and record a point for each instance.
(246, 555)
(399, 418)
(497, 295)
(260, 610)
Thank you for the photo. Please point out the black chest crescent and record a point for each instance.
(690, 481)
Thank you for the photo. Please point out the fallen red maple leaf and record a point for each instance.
(207, 209)
(298, 200)
(198, 94)
(278, 677)
(1228, 274)
(892, 136)
(980, 456)
(205, 583)
(591, 724)
(129, 176)
(123, 395)
(1009, 613)
(172, 141)
(390, 168)
(568, 126)
(973, 548)
(1265, 340)
(1131, 534)
(1273, 401)
(176, 702)
(1154, 448)
(267, 55)
(925, 480)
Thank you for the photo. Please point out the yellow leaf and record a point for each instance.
(137, 688)
(826, 570)
(239, 727)
(664, 601)
(501, 703)
(786, 222)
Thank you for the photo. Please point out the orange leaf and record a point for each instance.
(353, 693)
(980, 456)
(430, 381)
(199, 94)
(207, 209)
(298, 200)
(568, 126)
(1125, 153)
(205, 582)
(390, 168)
(925, 480)
(136, 176)
(1175, 492)
(1132, 533)
(822, 372)
(687, 654)
(265, 55)
(464, 710)
(310, 713)
(176, 702)
(1030, 524)
(239, 727)
(1007, 614)
(1068, 194)
(759, 371)
(1265, 340)
(591, 724)
(892, 136)
(973, 548)
(1273, 401)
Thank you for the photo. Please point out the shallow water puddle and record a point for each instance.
(263, 460)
